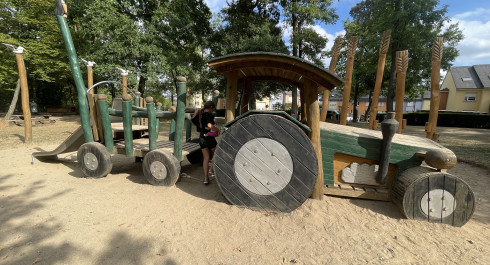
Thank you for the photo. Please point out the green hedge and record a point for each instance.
(448, 119)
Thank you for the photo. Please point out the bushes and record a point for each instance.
(448, 119)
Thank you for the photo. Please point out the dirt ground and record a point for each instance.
(51, 214)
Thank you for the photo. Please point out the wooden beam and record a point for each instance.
(348, 79)
(383, 50)
(434, 86)
(333, 63)
(275, 79)
(313, 121)
(325, 81)
(401, 75)
(231, 95)
(24, 92)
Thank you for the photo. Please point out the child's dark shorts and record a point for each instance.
(207, 142)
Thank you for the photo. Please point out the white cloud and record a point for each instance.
(475, 47)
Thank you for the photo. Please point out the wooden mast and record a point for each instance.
(431, 125)
(401, 75)
(24, 92)
(383, 50)
(313, 121)
(333, 63)
(348, 79)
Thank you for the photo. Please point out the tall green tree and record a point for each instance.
(249, 26)
(305, 42)
(30, 23)
(414, 26)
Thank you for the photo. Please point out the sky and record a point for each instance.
(473, 17)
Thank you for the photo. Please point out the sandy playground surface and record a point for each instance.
(51, 214)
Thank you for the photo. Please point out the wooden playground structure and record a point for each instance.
(269, 160)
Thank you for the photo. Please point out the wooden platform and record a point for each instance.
(345, 190)
(141, 147)
(401, 139)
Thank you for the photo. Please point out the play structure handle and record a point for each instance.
(388, 129)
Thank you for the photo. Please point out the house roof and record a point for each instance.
(476, 76)
(263, 66)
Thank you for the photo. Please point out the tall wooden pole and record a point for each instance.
(24, 92)
(401, 75)
(337, 45)
(313, 121)
(124, 74)
(91, 100)
(348, 79)
(383, 50)
(431, 126)
(231, 94)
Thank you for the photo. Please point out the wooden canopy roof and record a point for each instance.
(263, 66)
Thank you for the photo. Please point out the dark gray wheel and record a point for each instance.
(161, 168)
(423, 193)
(94, 160)
(266, 162)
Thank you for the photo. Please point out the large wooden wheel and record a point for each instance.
(94, 160)
(267, 162)
(423, 193)
(161, 168)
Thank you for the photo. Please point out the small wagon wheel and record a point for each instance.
(161, 168)
(94, 160)
(423, 193)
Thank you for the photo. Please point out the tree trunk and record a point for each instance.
(252, 102)
(294, 94)
(356, 95)
(369, 107)
(391, 86)
(14, 101)
(141, 85)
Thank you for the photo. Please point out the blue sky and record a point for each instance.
(473, 17)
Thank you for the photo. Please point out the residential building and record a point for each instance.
(468, 88)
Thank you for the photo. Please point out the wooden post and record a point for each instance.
(313, 121)
(245, 96)
(180, 116)
(24, 92)
(231, 94)
(383, 50)
(434, 87)
(401, 75)
(124, 74)
(106, 122)
(91, 99)
(128, 124)
(348, 79)
(152, 125)
(333, 63)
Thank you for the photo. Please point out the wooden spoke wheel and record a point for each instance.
(423, 193)
(94, 160)
(267, 162)
(161, 168)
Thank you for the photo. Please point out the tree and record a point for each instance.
(305, 42)
(249, 26)
(414, 26)
(30, 24)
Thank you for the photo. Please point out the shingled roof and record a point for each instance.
(476, 76)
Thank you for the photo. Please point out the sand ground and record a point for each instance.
(51, 214)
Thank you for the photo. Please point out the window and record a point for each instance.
(470, 97)
(381, 104)
(367, 103)
(290, 99)
(466, 79)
